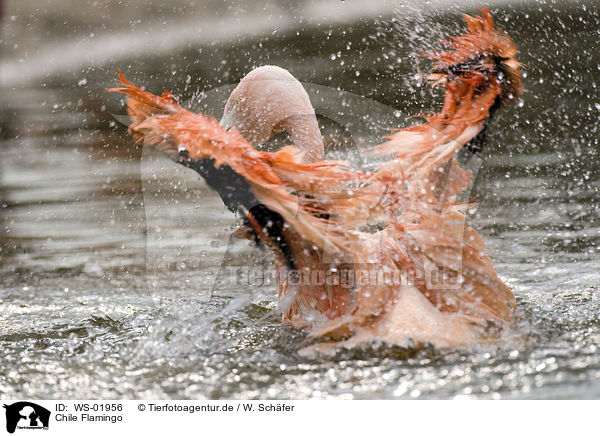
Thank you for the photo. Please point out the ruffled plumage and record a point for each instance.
(326, 206)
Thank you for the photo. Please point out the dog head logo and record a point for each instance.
(26, 415)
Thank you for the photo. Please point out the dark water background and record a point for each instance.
(108, 252)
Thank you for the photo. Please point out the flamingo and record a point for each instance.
(321, 218)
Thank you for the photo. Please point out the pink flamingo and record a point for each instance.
(313, 213)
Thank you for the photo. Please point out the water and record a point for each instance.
(109, 253)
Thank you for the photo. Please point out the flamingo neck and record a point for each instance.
(305, 134)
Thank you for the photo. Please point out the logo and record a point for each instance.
(26, 415)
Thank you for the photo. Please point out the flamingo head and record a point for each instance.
(269, 100)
